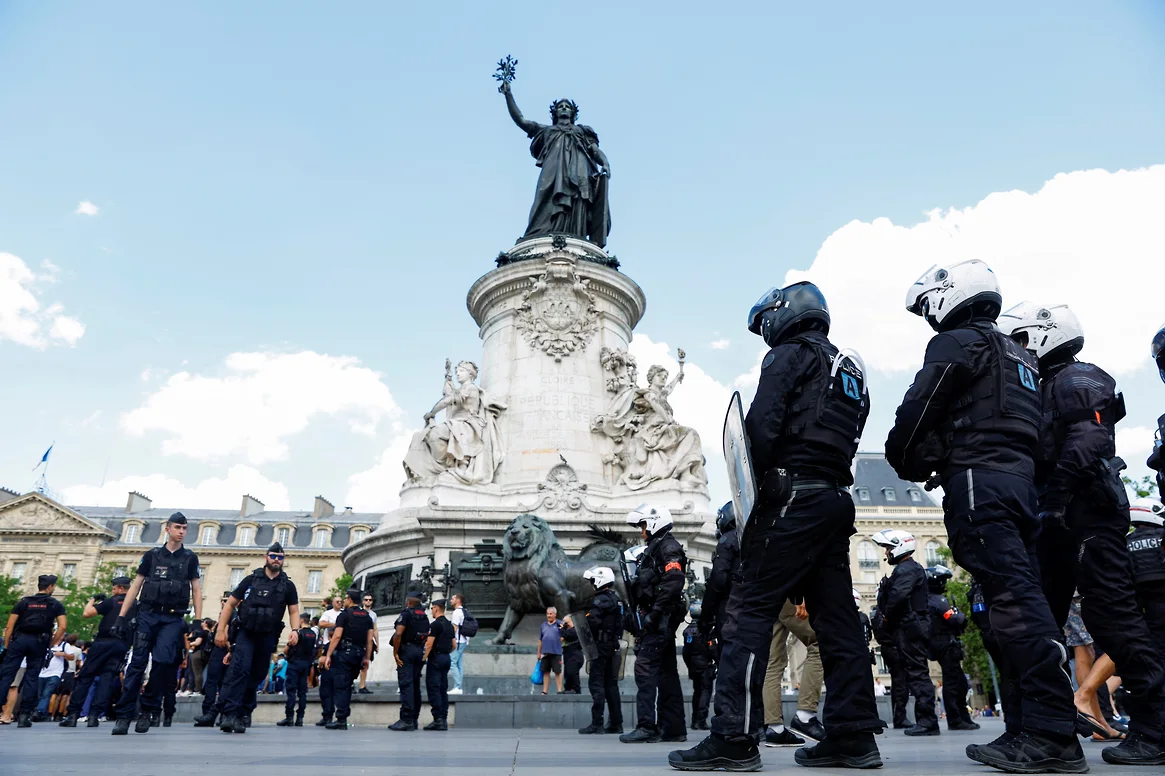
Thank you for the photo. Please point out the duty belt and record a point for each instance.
(164, 609)
(800, 484)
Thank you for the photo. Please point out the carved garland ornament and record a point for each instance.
(558, 315)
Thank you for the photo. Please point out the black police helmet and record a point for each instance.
(1158, 351)
(936, 578)
(783, 312)
(726, 518)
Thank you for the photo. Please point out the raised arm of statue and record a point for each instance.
(600, 157)
(527, 126)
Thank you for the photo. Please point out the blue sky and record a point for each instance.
(282, 179)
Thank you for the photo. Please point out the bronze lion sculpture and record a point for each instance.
(538, 575)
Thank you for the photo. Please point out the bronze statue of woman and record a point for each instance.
(571, 197)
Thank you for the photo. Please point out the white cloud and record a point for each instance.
(86, 208)
(720, 344)
(91, 419)
(22, 320)
(213, 493)
(1092, 239)
(1135, 443)
(260, 401)
(377, 489)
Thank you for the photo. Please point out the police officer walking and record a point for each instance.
(700, 659)
(28, 636)
(899, 691)
(348, 653)
(299, 659)
(660, 586)
(103, 660)
(261, 598)
(1156, 460)
(973, 416)
(605, 621)
(439, 646)
(216, 666)
(725, 567)
(947, 624)
(1084, 516)
(902, 602)
(408, 649)
(168, 581)
(1146, 546)
(803, 426)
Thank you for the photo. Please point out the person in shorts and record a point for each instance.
(550, 650)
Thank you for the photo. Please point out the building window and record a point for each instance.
(70, 572)
(121, 571)
(208, 534)
(932, 553)
(19, 570)
(236, 577)
(246, 536)
(283, 536)
(867, 555)
(358, 534)
(322, 539)
(315, 580)
(863, 494)
(132, 533)
(890, 494)
(915, 496)
(201, 573)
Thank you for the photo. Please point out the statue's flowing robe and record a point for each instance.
(571, 197)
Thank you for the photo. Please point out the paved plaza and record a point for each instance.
(266, 749)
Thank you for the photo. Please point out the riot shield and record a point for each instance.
(741, 478)
(586, 640)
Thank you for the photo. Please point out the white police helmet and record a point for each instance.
(943, 292)
(1147, 510)
(1043, 330)
(1157, 350)
(899, 543)
(655, 519)
(599, 576)
(857, 597)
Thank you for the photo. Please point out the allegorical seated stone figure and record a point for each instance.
(465, 448)
(649, 445)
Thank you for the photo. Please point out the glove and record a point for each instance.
(120, 629)
(653, 621)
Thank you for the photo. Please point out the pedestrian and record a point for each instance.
(550, 650)
(605, 620)
(299, 660)
(572, 658)
(348, 652)
(793, 622)
(458, 618)
(104, 658)
(196, 666)
(411, 631)
(803, 429)
(327, 688)
(700, 659)
(28, 635)
(972, 417)
(368, 607)
(947, 624)
(902, 600)
(438, 646)
(52, 675)
(261, 599)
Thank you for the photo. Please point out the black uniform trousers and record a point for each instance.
(1151, 602)
(160, 634)
(103, 660)
(250, 662)
(899, 689)
(703, 683)
(603, 682)
(347, 659)
(659, 698)
(1009, 699)
(911, 639)
(572, 663)
(437, 684)
(30, 648)
(802, 549)
(1090, 553)
(992, 529)
(408, 680)
(214, 673)
(955, 686)
(296, 685)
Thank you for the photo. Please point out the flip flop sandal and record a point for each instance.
(1087, 725)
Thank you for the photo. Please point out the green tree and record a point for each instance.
(9, 594)
(975, 661)
(1143, 487)
(343, 582)
(76, 596)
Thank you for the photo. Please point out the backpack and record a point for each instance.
(468, 625)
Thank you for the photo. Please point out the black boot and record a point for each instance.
(24, 721)
(856, 750)
(437, 724)
(69, 721)
(154, 719)
(615, 728)
(339, 724)
(299, 720)
(240, 725)
(246, 719)
(285, 722)
(962, 725)
(591, 729)
(93, 721)
(640, 736)
(1135, 750)
(167, 720)
(717, 753)
(121, 727)
(143, 724)
(403, 726)
(1003, 740)
(323, 721)
(922, 730)
(1036, 753)
(227, 724)
(206, 720)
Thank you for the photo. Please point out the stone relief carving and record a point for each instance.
(466, 447)
(30, 516)
(648, 445)
(558, 315)
(563, 490)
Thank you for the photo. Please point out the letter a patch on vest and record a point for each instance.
(850, 385)
(1026, 377)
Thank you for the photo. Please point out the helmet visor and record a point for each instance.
(914, 296)
(1158, 347)
(773, 299)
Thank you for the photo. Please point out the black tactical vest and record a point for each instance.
(416, 626)
(941, 630)
(829, 407)
(167, 586)
(305, 648)
(1056, 420)
(1156, 460)
(262, 611)
(109, 619)
(610, 626)
(37, 619)
(1004, 398)
(1147, 548)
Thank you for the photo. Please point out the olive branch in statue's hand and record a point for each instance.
(506, 72)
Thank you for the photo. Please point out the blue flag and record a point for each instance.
(44, 458)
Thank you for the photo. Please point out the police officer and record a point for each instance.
(947, 624)
(725, 568)
(699, 656)
(1156, 460)
(168, 581)
(216, 666)
(573, 658)
(348, 652)
(659, 700)
(103, 660)
(28, 636)
(1084, 515)
(972, 416)
(902, 602)
(605, 620)
(867, 629)
(261, 598)
(803, 427)
(439, 645)
(299, 660)
(408, 649)
(1147, 549)
(899, 691)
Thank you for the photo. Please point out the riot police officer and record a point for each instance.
(1156, 460)
(605, 621)
(261, 598)
(299, 659)
(439, 645)
(103, 660)
(725, 568)
(168, 581)
(699, 656)
(899, 691)
(349, 651)
(973, 416)
(803, 426)
(1146, 545)
(28, 636)
(1084, 515)
(902, 602)
(216, 665)
(947, 624)
(659, 700)
(408, 649)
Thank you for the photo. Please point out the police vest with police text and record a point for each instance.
(1146, 548)
(609, 627)
(167, 586)
(37, 619)
(1003, 399)
(829, 407)
(262, 610)
(416, 626)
